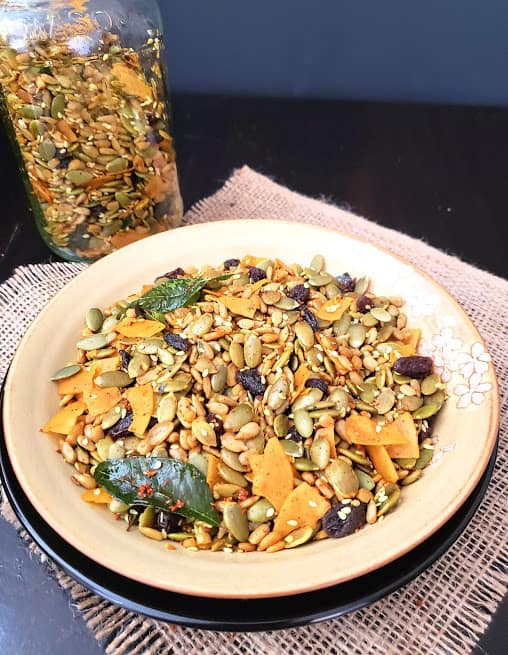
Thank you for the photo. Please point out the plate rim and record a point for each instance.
(121, 598)
(491, 430)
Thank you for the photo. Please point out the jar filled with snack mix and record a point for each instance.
(84, 100)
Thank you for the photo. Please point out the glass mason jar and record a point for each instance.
(84, 101)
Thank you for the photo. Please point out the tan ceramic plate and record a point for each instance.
(466, 429)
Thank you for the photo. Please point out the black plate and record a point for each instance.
(238, 615)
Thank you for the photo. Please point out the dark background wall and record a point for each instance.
(430, 50)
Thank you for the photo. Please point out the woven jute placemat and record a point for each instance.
(447, 608)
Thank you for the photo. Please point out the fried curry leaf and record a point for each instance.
(175, 293)
(159, 482)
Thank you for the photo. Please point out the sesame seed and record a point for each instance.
(355, 503)
(97, 492)
(204, 432)
(157, 465)
(292, 522)
(289, 538)
(84, 442)
(428, 446)
(269, 512)
(342, 515)
(346, 510)
(312, 503)
(378, 428)
(345, 501)
(226, 549)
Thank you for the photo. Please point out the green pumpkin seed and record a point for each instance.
(166, 408)
(332, 290)
(381, 314)
(201, 325)
(426, 455)
(317, 263)
(150, 346)
(218, 380)
(320, 280)
(261, 511)
(116, 451)
(307, 399)
(303, 423)
(94, 319)
(304, 464)
(264, 264)
(122, 198)
(236, 354)
(430, 384)
(147, 518)
(362, 285)
(364, 479)
(252, 351)
(179, 536)
(180, 382)
(287, 304)
(116, 165)
(341, 476)
(31, 111)
(341, 327)
(238, 417)
(406, 462)
(278, 393)
(298, 537)
(389, 503)
(426, 411)
(355, 457)
(103, 446)
(225, 489)
(437, 398)
(410, 403)
(291, 448)
(341, 398)
(368, 392)
(236, 521)
(93, 342)
(384, 334)
(320, 452)
(203, 432)
(231, 459)
(400, 379)
(161, 451)
(281, 425)
(165, 357)
(109, 322)
(111, 417)
(79, 178)
(66, 372)
(385, 401)
(412, 477)
(257, 443)
(47, 150)
(113, 379)
(58, 106)
(240, 279)
(380, 378)
(37, 127)
(305, 334)
(357, 334)
(118, 506)
(231, 475)
(200, 461)
(139, 365)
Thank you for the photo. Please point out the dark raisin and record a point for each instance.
(216, 422)
(97, 210)
(342, 520)
(309, 317)
(138, 312)
(256, 273)
(166, 520)
(300, 293)
(153, 138)
(121, 429)
(346, 282)
(251, 381)
(317, 383)
(171, 275)
(153, 421)
(79, 239)
(161, 209)
(64, 162)
(364, 303)
(231, 263)
(126, 358)
(294, 435)
(414, 366)
(176, 341)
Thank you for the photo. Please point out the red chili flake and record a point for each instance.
(177, 505)
(243, 494)
(145, 490)
(150, 473)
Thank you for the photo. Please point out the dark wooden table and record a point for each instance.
(438, 173)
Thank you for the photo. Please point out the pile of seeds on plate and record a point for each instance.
(254, 406)
(93, 135)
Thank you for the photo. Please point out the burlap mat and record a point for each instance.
(448, 607)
